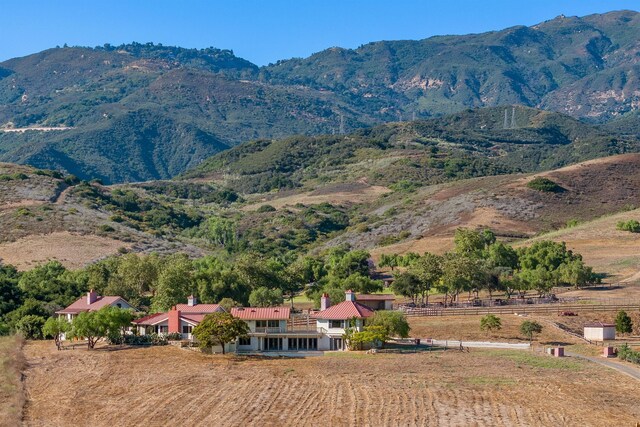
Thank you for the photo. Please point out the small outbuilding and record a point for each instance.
(376, 301)
(599, 331)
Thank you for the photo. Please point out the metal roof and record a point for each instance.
(81, 304)
(198, 308)
(261, 313)
(344, 311)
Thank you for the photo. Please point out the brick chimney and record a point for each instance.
(92, 296)
(191, 301)
(325, 302)
(350, 296)
(174, 320)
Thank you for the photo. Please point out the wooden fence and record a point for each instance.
(519, 309)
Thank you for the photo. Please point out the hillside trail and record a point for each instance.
(60, 198)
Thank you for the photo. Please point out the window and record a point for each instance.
(186, 329)
(303, 343)
(244, 341)
(336, 323)
(267, 323)
(163, 329)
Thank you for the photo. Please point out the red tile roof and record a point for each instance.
(81, 304)
(344, 311)
(261, 313)
(376, 297)
(198, 308)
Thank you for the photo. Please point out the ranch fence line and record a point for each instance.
(518, 309)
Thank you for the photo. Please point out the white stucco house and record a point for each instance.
(333, 320)
(271, 329)
(92, 302)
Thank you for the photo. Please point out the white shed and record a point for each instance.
(599, 331)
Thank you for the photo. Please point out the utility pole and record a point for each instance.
(341, 124)
(506, 123)
(414, 116)
(513, 117)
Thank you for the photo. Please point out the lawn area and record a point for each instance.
(11, 392)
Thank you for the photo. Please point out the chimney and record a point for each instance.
(92, 296)
(325, 302)
(174, 320)
(350, 296)
(191, 301)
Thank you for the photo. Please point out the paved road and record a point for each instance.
(625, 369)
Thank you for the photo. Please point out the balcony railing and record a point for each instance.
(268, 330)
(290, 330)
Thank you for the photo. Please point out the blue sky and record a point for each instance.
(268, 30)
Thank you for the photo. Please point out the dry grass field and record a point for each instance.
(11, 392)
(467, 328)
(170, 386)
(339, 194)
(72, 250)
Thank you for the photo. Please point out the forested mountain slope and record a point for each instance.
(144, 111)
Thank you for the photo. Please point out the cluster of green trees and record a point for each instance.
(155, 283)
(479, 262)
(107, 323)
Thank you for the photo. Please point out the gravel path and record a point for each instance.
(625, 369)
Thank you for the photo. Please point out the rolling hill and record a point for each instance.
(161, 110)
(468, 144)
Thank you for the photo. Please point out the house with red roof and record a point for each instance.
(182, 318)
(93, 302)
(332, 321)
(271, 329)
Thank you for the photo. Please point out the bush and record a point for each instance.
(30, 326)
(544, 184)
(151, 339)
(626, 353)
(490, 322)
(106, 228)
(632, 226)
(174, 336)
(266, 208)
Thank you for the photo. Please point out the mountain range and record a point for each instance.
(142, 111)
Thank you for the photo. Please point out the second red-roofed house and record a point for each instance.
(270, 330)
(333, 320)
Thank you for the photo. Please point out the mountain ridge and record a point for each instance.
(586, 67)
